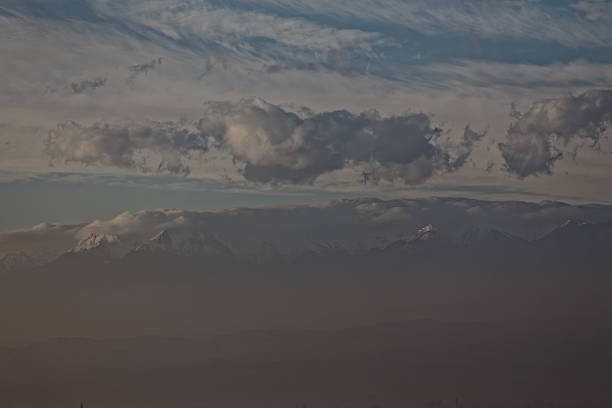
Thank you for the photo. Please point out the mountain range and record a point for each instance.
(327, 265)
(358, 227)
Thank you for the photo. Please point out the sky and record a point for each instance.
(108, 105)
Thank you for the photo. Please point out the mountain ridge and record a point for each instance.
(347, 227)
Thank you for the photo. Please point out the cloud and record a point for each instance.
(542, 21)
(271, 144)
(512, 77)
(212, 61)
(199, 23)
(462, 150)
(143, 68)
(87, 85)
(292, 65)
(594, 10)
(538, 138)
(279, 146)
(552, 22)
(126, 146)
(334, 60)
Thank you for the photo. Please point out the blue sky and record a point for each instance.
(276, 101)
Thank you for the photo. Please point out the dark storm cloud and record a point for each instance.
(126, 146)
(536, 140)
(276, 145)
(87, 85)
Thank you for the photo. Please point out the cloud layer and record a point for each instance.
(276, 145)
(538, 138)
(272, 145)
(462, 61)
(126, 146)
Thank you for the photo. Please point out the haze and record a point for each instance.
(305, 204)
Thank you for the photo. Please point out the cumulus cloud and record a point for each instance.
(537, 139)
(459, 153)
(276, 145)
(272, 145)
(126, 146)
(87, 85)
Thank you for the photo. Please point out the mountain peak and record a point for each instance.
(428, 233)
(574, 223)
(427, 228)
(425, 233)
(160, 243)
(94, 241)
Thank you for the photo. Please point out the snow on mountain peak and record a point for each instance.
(95, 241)
(163, 239)
(573, 223)
(160, 243)
(427, 228)
(426, 232)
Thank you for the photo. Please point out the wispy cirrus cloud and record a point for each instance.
(512, 77)
(542, 21)
(235, 28)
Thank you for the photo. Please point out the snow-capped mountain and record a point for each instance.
(159, 244)
(96, 243)
(194, 243)
(478, 237)
(573, 224)
(349, 227)
(426, 233)
(202, 243)
(578, 236)
(97, 246)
